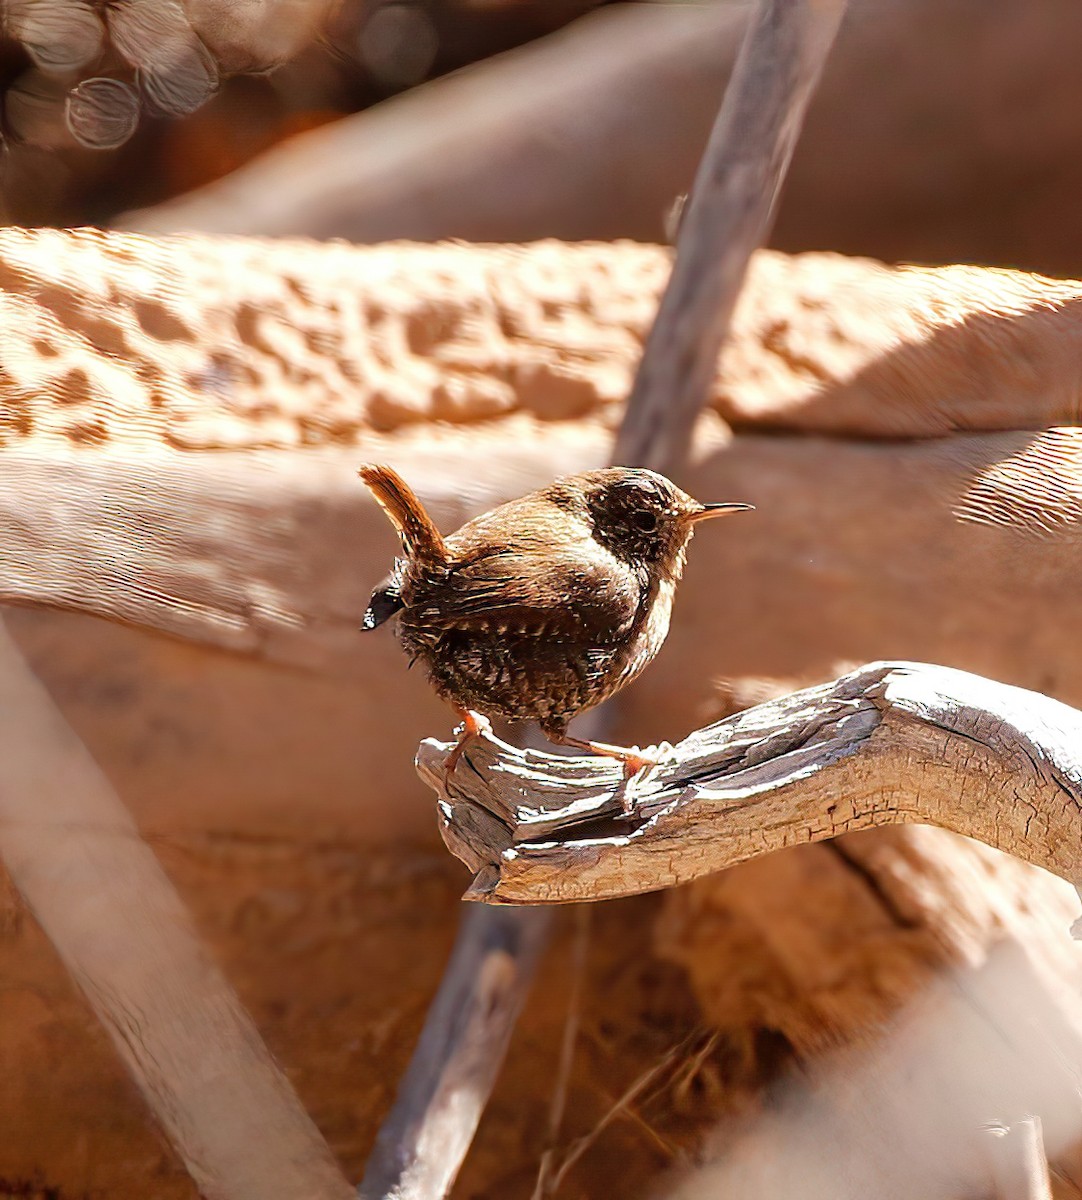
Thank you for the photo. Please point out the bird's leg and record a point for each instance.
(473, 723)
(634, 759)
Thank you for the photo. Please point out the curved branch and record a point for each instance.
(889, 743)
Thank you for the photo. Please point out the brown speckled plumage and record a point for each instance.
(546, 605)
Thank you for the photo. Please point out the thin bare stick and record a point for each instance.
(580, 949)
(75, 854)
(424, 1140)
(889, 743)
(727, 218)
(1019, 1166)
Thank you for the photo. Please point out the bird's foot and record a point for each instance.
(473, 724)
(637, 763)
(637, 760)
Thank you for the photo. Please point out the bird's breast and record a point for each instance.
(654, 626)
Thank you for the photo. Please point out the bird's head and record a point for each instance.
(639, 515)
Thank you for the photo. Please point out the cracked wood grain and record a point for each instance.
(888, 744)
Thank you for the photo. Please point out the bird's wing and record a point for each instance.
(542, 593)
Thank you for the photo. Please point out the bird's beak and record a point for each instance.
(719, 510)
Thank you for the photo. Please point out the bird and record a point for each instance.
(543, 607)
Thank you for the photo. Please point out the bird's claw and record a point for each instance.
(638, 763)
(475, 725)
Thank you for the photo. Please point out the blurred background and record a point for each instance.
(175, 397)
(941, 132)
(112, 105)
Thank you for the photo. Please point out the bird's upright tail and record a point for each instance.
(420, 538)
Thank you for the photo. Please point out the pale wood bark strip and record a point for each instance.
(76, 856)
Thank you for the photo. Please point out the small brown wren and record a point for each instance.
(544, 606)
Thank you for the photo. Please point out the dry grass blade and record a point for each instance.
(579, 952)
(622, 1106)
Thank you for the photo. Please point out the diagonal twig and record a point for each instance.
(727, 218)
(421, 1146)
(76, 856)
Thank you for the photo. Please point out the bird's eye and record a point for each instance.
(646, 521)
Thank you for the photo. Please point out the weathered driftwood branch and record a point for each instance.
(890, 743)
